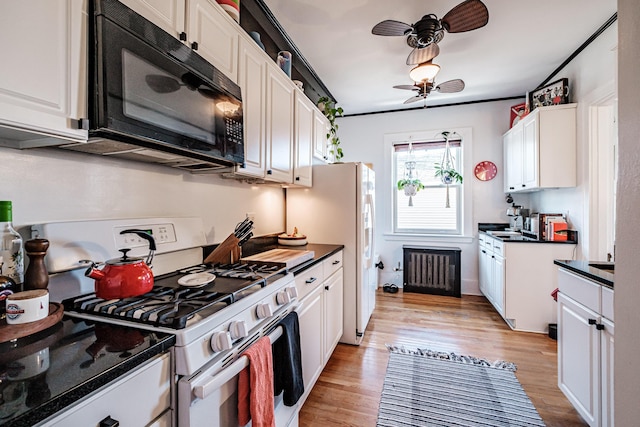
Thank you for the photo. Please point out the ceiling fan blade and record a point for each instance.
(391, 28)
(450, 86)
(468, 15)
(418, 56)
(407, 87)
(414, 99)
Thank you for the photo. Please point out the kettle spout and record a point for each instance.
(94, 273)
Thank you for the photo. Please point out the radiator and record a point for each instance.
(430, 270)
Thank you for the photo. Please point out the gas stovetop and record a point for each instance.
(183, 297)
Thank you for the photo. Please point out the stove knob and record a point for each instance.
(292, 291)
(282, 297)
(238, 329)
(264, 310)
(221, 341)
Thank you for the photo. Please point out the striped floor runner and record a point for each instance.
(425, 390)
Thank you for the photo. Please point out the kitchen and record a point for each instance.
(156, 189)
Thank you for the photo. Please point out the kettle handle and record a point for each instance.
(145, 235)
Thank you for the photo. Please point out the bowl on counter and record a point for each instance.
(286, 240)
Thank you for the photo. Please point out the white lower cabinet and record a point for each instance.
(585, 349)
(320, 316)
(518, 277)
(141, 398)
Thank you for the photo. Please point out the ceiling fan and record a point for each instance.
(424, 35)
(425, 87)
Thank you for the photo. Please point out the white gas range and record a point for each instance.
(214, 319)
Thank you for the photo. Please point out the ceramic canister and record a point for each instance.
(27, 306)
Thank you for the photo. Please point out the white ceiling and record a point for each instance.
(519, 48)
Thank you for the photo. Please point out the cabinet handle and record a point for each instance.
(592, 321)
(194, 45)
(109, 422)
(523, 185)
(311, 280)
(269, 172)
(183, 36)
(512, 188)
(599, 326)
(483, 251)
(82, 124)
(493, 256)
(326, 288)
(297, 178)
(335, 262)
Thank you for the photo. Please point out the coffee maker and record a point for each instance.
(517, 216)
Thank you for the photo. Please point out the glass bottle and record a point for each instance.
(11, 247)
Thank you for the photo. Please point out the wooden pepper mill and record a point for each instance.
(36, 276)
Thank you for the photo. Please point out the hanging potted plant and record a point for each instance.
(445, 170)
(328, 108)
(410, 186)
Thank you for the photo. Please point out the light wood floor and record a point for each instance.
(348, 391)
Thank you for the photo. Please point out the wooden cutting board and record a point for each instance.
(286, 257)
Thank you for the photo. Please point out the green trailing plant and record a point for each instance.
(406, 182)
(447, 176)
(328, 108)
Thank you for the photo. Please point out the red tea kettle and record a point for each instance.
(126, 276)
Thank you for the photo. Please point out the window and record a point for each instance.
(428, 213)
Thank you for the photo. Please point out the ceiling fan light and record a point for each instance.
(425, 71)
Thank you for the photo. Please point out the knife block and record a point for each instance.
(227, 252)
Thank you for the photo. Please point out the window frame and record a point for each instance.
(465, 210)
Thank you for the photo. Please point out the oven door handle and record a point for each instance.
(218, 380)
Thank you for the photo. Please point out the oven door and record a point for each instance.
(211, 397)
(158, 93)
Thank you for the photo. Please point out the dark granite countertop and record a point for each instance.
(45, 372)
(583, 268)
(321, 252)
(524, 239)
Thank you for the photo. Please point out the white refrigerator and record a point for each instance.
(339, 209)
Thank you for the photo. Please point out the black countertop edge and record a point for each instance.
(525, 239)
(584, 269)
(321, 252)
(75, 394)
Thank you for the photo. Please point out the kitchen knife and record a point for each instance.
(241, 224)
(245, 239)
(242, 231)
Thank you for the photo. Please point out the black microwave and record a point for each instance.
(148, 89)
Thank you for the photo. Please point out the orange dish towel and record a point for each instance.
(255, 386)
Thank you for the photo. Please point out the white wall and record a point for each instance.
(362, 138)
(592, 75)
(47, 185)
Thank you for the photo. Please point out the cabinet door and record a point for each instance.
(279, 125)
(303, 140)
(215, 35)
(320, 131)
(311, 319)
(530, 159)
(333, 309)
(606, 351)
(498, 283)
(251, 78)
(166, 14)
(513, 159)
(579, 357)
(484, 263)
(43, 79)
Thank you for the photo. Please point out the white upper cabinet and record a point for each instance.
(304, 135)
(320, 131)
(540, 150)
(280, 111)
(251, 78)
(43, 79)
(202, 24)
(166, 14)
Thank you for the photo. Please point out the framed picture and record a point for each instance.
(517, 112)
(552, 94)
